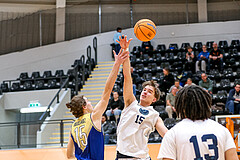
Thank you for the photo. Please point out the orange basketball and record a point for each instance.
(145, 30)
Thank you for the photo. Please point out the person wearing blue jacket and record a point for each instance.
(202, 60)
(233, 100)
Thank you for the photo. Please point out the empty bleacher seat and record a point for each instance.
(161, 48)
(223, 45)
(35, 75)
(209, 45)
(23, 76)
(184, 46)
(39, 84)
(197, 46)
(27, 85)
(47, 74)
(4, 87)
(16, 87)
(235, 44)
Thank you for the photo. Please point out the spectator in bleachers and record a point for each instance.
(176, 84)
(202, 60)
(190, 60)
(216, 58)
(168, 80)
(189, 82)
(206, 83)
(115, 106)
(108, 128)
(170, 102)
(233, 101)
(115, 38)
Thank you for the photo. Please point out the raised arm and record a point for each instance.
(102, 104)
(128, 95)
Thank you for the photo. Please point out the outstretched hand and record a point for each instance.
(124, 43)
(121, 57)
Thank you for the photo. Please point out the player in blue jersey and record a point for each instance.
(86, 137)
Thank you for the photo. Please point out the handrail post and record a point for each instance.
(76, 79)
(58, 98)
(95, 48)
(61, 133)
(83, 63)
(89, 55)
(18, 135)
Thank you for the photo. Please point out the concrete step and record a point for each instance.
(92, 89)
(95, 82)
(91, 92)
(93, 86)
(107, 62)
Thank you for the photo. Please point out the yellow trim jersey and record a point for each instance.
(88, 140)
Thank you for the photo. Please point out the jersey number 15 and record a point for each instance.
(139, 119)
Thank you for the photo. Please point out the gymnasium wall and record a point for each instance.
(22, 28)
(62, 55)
(18, 100)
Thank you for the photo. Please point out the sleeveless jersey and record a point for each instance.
(202, 140)
(135, 125)
(88, 140)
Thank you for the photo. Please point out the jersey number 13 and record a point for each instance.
(213, 146)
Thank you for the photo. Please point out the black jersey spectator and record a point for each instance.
(167, 81)
(216, 58)
(115, 106)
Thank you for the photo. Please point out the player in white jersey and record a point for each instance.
(138, 120)
(196, 137)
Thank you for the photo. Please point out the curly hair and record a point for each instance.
(76, 105)
(193, 102)
(155, 85)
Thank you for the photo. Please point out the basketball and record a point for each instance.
(145, 30)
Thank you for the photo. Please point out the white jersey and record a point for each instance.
(200, 139)
(135, 125)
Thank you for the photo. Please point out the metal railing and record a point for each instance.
(18, 133)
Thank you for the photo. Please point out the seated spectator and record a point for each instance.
(108, 128)
(177, 85)
(167, 81)
(216, 58)
(189, 82)
(190, 61)
(170, 102)
(206, 83)
(116, 106)
(233, 101)
(202, 60)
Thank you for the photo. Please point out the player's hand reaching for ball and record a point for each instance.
(121, 57)
(124, 43)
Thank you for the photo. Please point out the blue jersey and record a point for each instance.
(88, 140)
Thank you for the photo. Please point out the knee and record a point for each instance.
(168, 109)
(117, 112)
(108, 112)
(231, 102)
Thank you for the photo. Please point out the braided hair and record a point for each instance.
(193, 102)
(155, 85)
(76, 105)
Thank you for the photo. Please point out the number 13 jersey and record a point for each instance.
(88, 140)
(135, 125)
(200, 140)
